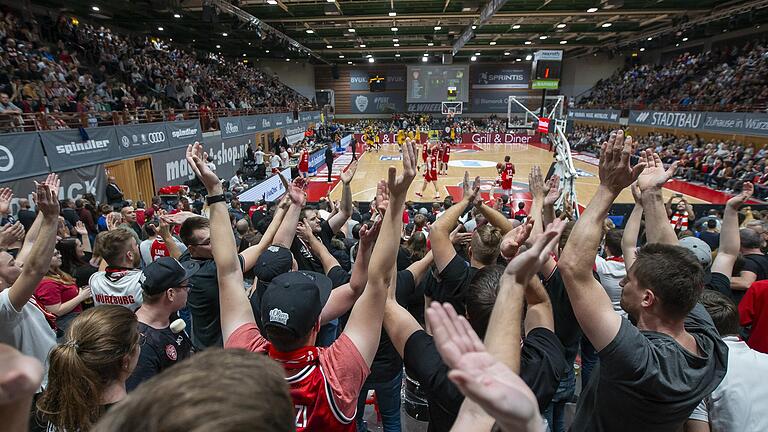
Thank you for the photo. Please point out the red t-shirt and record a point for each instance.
(342, 365)
(753, 311)
(304, 161)
(508, 172)
(50, 292)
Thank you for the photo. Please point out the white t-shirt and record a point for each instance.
(117, 288)
(740, 402)
(259, 157)
(611, 271)
(147, 255)
(235, 182)
(26, 330)
(275, 161)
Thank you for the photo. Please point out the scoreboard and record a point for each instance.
(547, 65)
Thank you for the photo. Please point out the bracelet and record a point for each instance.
(213, 199)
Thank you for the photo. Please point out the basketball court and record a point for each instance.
(480, 160)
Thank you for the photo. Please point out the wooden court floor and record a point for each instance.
(480, 160)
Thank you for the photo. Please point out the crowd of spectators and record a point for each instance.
(114, 337)
(64, 66)
(729, 77)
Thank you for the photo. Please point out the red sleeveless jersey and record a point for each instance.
(304, 162)
(508, 172)
(447, 153)
(158, 249)
(312, 396)
(424, 152)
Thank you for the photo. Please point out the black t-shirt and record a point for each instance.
(82, 274)
(567, 328)
(757, 264)
(304, 257)
(404, 259)
(453, 283)
(541, 367)
(646, 381)
(161, 350)
(718, 282)
(387, 362)
(203, 303)
(710, 238)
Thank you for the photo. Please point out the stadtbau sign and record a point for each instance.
(668, 119)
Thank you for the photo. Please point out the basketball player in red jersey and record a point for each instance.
(446, 157)
(507, 173)
(424, 154)
(324, 382)
(430, 174)
(304, 163)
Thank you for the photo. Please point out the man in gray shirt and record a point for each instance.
(654, 373)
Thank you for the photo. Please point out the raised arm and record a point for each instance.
(539, 311)
(39, 259)
(632, 229)
(364, 325)
(439, 235)
(657, 226)
(251, 254)
(591, 304)
(398, 322)
(494, 216)
(730, 243)
(345, 208)
(235, 308)
(317, 247)
(165, 233)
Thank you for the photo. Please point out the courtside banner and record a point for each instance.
(498, 138)
(136, 140)
(21, 155)
(182, 133)
(734, 123)
(269, 190)
(606, 116)
(74, 148)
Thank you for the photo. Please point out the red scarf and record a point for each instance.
(296, 359)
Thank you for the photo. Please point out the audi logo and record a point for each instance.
(156, 137)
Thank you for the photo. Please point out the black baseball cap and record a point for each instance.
(273, 262)
(294, 300)
(165, 273)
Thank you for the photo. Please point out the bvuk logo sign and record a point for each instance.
(361, 102)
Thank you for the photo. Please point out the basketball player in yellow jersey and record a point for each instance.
(376, 141)
(400, 139)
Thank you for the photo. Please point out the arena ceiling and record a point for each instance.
(396, 31)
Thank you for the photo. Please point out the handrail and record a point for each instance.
(31, 122)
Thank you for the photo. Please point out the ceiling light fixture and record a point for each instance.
(474, 27)
(528, 57)
(606, 25)
(685, 39)
(395, 40)
(224, 34)
(396, 45)
(393, 14)
(95, 8)
(516, 27)
(351, 30)
(650, 38)
(310, 31)
(473, 58)
(424, 59)
(506, 53)
(477, 53)
(542, 37)
(394, 29)
(177, 15)
(329, 46)
(341, 55)
(397, 55)
(492, 43)
(272, 2)
(362, 45)
(349, 62)
(528, 42)
(431, 44)
(438, 28)
(371, 60)
(267, 51)
(218, 46)
(642, 49)
(160, 28)
(592, 10)
(563, 42)
(561, 25)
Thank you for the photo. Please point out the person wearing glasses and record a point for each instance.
(87, 373)
(165, 286)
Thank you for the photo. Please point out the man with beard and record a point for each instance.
(120, 284)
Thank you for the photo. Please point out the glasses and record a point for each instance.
(205, 242)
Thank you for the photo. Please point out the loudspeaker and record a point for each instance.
(335, 72)
(447, 59)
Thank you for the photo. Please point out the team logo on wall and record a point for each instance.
(361, 102)
(6, 159)
(125, 141)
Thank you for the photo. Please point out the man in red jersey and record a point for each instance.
(324, 382)
(446, 157)
(507, 173)
(304, 163)
(430, 173)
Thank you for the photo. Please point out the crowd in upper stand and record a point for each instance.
(729, 77)
(56, 66)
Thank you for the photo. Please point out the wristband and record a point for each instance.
(213, 199)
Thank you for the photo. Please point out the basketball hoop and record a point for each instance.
(451, 108)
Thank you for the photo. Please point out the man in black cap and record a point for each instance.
(165, 285)
(324, 397)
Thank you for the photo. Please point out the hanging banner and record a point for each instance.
(496, 77)
(609, 116)
(21, 155)
(182, 133)
(74, 184)
(378, 103)
(136, 140)
(67, 149)
(230, 126)
(394, 78)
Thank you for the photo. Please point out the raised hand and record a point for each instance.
(197, 158)
(552, 190)
(80, 228)
(53, 182)
(47, 201)
(10, 234)
(176, 218)
(113, 220)
(654, 175)
(347, 175)
(304, 231)
(458, 238)
(525, 265)
(398, 185)
(747, 189)
(6, 194)
(368, 236)
(615, 172)
(636, 194)
(515, 238)
(479, 375)
(382, 197)
(471, 190)
(536, 183)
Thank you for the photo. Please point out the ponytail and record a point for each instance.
(98, 341)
